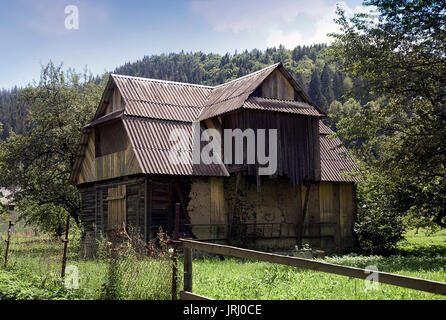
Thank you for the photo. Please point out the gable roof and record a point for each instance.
(232, 95)
(177, 101)
(152, 108)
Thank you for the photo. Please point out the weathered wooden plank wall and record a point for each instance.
(347, 214)
(217, 212)
(276, 86)
(337, 215)
(117, 164)
(328, 223)
(298, 155)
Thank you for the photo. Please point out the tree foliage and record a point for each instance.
(398, 50)
(37, 163)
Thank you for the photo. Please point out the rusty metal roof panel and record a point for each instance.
(336, 163)
(324, 129)
(160, 99)
(161, 111)
(159, 154)
(286, 106)
(231, 95)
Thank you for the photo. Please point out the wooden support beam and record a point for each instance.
(188, 269)
(185, 295)
(304, 214)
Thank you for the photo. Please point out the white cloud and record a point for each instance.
(287, 22)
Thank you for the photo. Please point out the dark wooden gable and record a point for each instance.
(298, 149)
(277, 86)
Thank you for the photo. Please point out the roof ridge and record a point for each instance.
(162, 103)
(162, 81)
(194, 84)
(249, 74)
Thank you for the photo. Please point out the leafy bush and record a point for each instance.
(13, 287)
(379, 232)
(378, 228)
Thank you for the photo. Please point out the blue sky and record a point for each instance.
(110, 33)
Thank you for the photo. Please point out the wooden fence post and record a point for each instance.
(10, 224)
(187, 269)
(176, 233)
(65, 246)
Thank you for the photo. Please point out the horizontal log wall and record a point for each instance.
(94, 207)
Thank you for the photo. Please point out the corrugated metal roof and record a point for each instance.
(168, 100)
(231, 95)
(159, 99)
(323, 129)
(153, 147)
(336, 163)
(286, 106)
(161, 111)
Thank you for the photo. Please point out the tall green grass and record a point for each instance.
(241, 279)
(34, 267)
(420, 256)
(34, 270)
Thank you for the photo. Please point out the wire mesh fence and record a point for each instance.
(124, 266)
(137, 270)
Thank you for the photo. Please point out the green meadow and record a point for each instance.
(34, 265)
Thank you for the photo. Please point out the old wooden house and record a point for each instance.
(126, 176)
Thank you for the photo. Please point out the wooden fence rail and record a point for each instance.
(382, 277)
(186, 295)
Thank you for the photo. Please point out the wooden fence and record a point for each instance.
(383, 277)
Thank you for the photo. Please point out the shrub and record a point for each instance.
(378, 232)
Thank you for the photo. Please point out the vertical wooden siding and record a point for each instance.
(88, 167)
(347, 212)
(337, 214)
(298, 153)
(276, 86)
(312, 229)
(118, 164)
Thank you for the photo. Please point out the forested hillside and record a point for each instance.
(308, 65)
